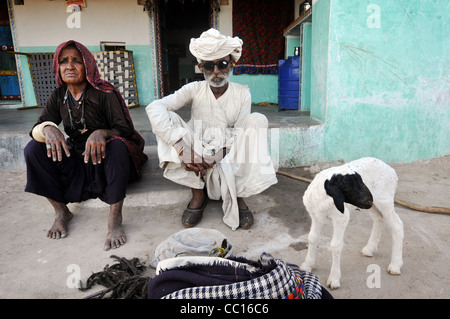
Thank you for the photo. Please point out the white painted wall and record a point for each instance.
(225, 24)
(43, 23)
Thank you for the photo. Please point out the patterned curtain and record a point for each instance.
(260, 24)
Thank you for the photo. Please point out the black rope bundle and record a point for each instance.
(123, 280)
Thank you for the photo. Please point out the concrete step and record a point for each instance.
(294, 138)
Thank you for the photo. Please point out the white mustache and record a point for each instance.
(223, 79)
(217, 76)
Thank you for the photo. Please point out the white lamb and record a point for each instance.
(367, 183)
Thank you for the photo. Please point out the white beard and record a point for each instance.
(217, 84)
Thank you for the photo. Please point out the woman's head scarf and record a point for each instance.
(135, 143)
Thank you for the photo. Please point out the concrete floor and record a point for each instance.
(33, 266)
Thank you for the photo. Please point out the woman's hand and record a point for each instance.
(56, 143)
(96, 147)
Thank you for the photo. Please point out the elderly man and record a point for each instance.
(223, 146)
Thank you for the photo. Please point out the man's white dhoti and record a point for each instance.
(246, 170)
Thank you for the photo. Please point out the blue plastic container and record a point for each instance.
(289, 83)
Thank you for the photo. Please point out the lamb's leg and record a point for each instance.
(375, 235)
(337, 242)
(395, 224)
(313, 243)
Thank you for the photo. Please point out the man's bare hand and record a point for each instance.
(195, 162)
(192, 161)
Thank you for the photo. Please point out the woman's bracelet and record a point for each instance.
(38, 131)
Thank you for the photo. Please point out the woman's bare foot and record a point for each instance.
(115, 237)
(60, 226)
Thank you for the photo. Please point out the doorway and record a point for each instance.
(179, 21)
(9, 82)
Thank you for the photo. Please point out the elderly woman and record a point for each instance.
(102, 153)
(222, 152)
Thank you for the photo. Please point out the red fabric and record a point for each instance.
(260, 24)
(135, 143)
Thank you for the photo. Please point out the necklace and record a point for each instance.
(82, 120)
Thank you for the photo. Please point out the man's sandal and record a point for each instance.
(245, 218)
(192, 216)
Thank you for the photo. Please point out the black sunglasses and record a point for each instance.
(221, 65)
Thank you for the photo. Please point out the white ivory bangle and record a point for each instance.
(38, 131)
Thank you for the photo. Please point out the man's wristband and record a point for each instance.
(177, 142)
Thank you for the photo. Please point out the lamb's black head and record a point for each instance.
(348, 188)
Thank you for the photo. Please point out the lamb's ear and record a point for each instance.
(335, 192)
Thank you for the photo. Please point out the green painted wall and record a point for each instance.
(144, 74)
(143, 68)
(305, 87)
(319, 51)
(296, 145)
(263, 87)
(291, 43)
(380, 78)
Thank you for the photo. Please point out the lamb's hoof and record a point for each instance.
(333, 283)
(394, 270)
(367, 252)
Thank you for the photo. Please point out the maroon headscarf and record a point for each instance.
(135, 143)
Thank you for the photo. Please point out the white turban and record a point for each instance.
(212, 46)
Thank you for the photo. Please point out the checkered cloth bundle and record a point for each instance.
(279, 283)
